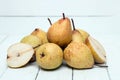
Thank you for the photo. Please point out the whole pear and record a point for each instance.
(76, 35)
(84, 34)
(42, 35)
(78, 55)
(32, 40)
(49, 56)
(60, 32)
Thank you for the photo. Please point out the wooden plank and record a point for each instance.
(25, 73)
(8, 73)
(63, 73)
(91, 74)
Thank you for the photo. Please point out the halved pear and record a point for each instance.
(97, 50)
(19, 54)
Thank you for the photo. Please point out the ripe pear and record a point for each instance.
(97, 49)
(49, 56)
(60, 32)
(78, 55)
(32, 40)
(19, 54)
(84, 34)
(40, 34)
(76, 35)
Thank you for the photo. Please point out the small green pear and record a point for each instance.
(49, 56)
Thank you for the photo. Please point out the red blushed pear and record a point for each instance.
(60, 32)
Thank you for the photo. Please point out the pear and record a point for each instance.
(60, 32)
(19, 54)
(78, 55)
(84, 34)
(40, 34)
(76, 35)
(34, 41)
(49, 56)
(97, 49)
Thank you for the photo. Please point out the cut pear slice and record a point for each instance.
(19, 54)
(97, 50)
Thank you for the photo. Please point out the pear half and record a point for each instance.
(19, 54)
(97, 50)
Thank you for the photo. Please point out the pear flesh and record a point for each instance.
(19, 54)
(60, 32)
(78, 55)
(97, 50)
(49, 56)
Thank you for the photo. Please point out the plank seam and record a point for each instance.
(108, 74)
(72, 73)
(37, 74)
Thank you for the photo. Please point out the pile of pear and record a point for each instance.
(62, 42)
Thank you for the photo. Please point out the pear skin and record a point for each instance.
(84, 34)
(78, 55)
(60, 32)
(49, 56)
(41, 35)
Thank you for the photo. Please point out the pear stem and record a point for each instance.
(49, 21)
(63, 15)
(73, 24)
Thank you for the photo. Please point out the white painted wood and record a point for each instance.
(91, 74)
(63, 73)
(55, 7)
(12, 73)
(25, 73)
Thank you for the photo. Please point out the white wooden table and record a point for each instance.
(104, 29)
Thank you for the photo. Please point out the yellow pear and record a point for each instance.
(78, 55)
(84, 34)
(60, 32)
(32, 40)
(97, 49)
(76, 35)
(40, 34)
(49, 56)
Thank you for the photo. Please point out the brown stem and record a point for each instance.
(63, 15)
(49, 21)
(73, 24)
